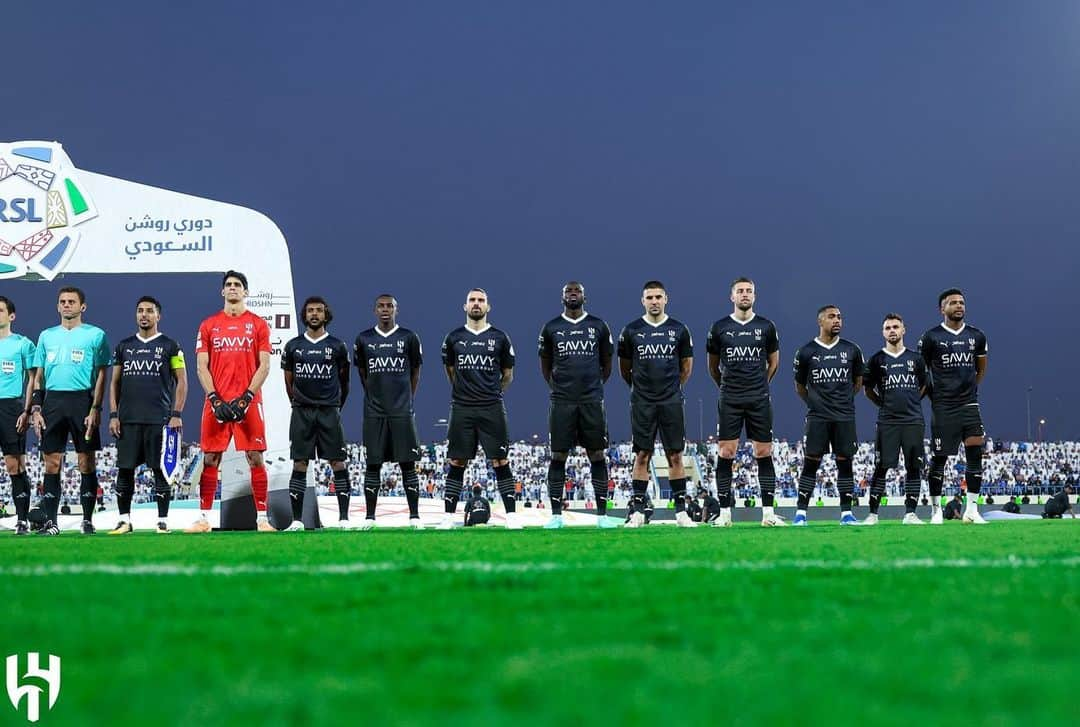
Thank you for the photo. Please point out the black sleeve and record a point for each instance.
(416, 351)
(772, 339)
(870, 373)
(801, 370)
(286, 357)
(981, 347)
(686, 344)
(506, 359)
(857, 363)
(448, 352)
(712, 341)
(607, 347)
(543, 344)
(626, 345)
(359, 355)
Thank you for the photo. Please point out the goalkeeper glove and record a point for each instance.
(222, 411)
(240, 405)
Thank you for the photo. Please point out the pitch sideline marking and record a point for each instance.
(354, 568)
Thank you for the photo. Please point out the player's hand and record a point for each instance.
(222, 411)
(91, 422)
(175, 423)
(114, 427)
(240, 405)
(38, 422)
(22, 423)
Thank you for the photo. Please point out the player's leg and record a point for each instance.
(593, 436)
(815, 445)
(728, 428)
(406, 450)
(129, 455)
(250, 436)
(673, 436)
(494, 433)
(214, 439)
(759, 430)
(912, 444)
(13, 445)
(53, 443)
(974, 442)
(461, 438)
(945, 439)
(301, 452)
(563, 435)
(844, 444)
(86, 442)
(644, 422)
(887, 445)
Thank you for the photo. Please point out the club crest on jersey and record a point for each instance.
(491, 344)
(910, 365)
(843, 356)
(971, 342)
(248, 328)
(671, 334)
(592, 332)
(158, 351)
(42, 207)
(401, 346)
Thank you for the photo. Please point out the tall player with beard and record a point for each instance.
(955, 354)
(388, 358)
(744, 354)
(147, 391)
(316, 371)
(828, 372)
(479, 361)
(233, 360)
(575, 360)
(656, 356)
(896, 382)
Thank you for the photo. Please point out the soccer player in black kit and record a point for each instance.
(656, 356)
(388, 358)
(575, 360)
(147, 392)
(479, 361)
(955, 355)
(744, 353)
(828, 372)
(316, 369)
(895, 381)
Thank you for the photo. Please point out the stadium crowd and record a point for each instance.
(1012, 469)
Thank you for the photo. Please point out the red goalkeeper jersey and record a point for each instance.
(234, 344)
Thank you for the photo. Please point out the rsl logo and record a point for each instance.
(43, 205)
(32, 692)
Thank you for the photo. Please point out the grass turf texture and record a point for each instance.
(629, 642)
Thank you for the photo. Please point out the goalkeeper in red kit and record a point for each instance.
(233, 360)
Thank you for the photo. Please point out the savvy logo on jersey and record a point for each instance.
(656, 350)
(900, 381)
(315, 370)
(386, 364)
(32, 692)
(744, 353)
(42, 205)
(478, 361)
(829, 375)
(141, 367)
(576, 348)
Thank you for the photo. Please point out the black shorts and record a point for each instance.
(648, 419)
(138, 444)
(892, 439)
(390, 439)
(12, 444)
(950, 427)
(572, 425)
(756, 415)
(484, 424)
(316, 432)
(65, 415)
(836, 437)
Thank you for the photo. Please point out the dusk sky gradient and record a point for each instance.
(836, 152)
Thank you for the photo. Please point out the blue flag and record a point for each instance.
(171, 466)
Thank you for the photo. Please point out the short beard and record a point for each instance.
(475, 316)
(573, 304)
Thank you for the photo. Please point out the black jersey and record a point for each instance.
(744, 349)
(829, 373)
(950, 358)
(147, 381)
(478, 359)
(898, 380)
(656, 352)
(577, 350)
(388, 360)
(316, 364)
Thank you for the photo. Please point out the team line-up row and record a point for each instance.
(58, 387)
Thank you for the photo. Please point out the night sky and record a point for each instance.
(836, 152)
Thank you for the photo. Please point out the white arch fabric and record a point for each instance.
(56, 218)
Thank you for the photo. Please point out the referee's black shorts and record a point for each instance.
(485, 425)
(316, 432)
(139, 444)
(12, 442)
(573, 425)
(892, 439)
(65, 415)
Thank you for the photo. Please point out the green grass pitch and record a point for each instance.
(885, 625)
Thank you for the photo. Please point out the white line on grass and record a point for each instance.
(473, 566)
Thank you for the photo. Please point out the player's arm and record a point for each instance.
(507, 378)
(180, 395)
(114, 400)
(360, 361)
(980, 369)
(626, 362)
(686, 366)
(801, 373)
(450, 374)
(259, 378)
(37, 396)
(858, 366)
(545, 368)
(607, 349)
(93, 419)
(715, 373)
(23, 422)
(343, 376)
(773, 365)
(871, 393)
(543, 346)
(626, 370)
(288, 376)
(448, 359)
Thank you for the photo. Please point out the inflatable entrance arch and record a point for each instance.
(57, 219)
